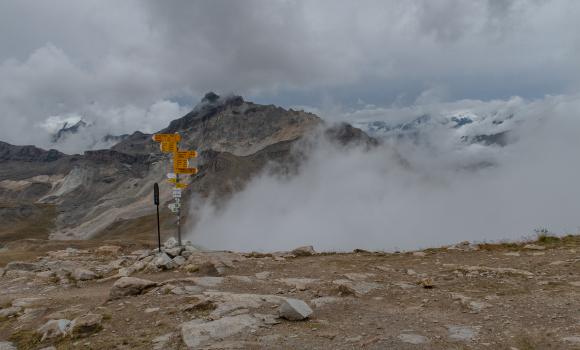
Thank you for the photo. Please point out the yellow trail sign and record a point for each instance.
(168, 147)
(166, 137)
(185, 154)
(172, 180)
(180, 185)
(191, 171)
(180, 163)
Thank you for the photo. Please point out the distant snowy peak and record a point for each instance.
(465, 127)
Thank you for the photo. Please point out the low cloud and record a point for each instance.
(343, 200)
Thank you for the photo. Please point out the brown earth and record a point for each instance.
(494, 296)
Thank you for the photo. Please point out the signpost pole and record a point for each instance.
(169, 143)
(178, 216)
(156, 201)
(179, 207)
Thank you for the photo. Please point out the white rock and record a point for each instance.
(81, 274)
(10, 311)
(28, 302)
(575, 339)
(415, 339)
(208, 282)
(358, 288)
(170, 243)
(295, 310)
(54, 328)
(355, 276)
(419, 254)
(298, 283)
(320, 302)
(462, 333)
(5, 345)
(179, 260)
(151, 310)
(163, 261)
(129, 286)
(173, 252)
(196, 333)
(263, 275)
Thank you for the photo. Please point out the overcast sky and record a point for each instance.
(129, 65)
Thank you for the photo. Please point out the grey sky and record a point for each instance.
(125, 65)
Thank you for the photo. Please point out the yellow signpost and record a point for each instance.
(190, 171)
(168, 147)
(167, 138)
(169, 143)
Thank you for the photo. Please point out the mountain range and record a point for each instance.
(107, 192)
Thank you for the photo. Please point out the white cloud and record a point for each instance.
(343, 200)
(63, 57)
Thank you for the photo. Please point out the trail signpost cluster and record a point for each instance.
(169, 143)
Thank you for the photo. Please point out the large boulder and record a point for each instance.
(81, 274)
(295, 310)
(304, 251)
(162, 261)
(86, 325)
(173, 252)
(196, 332)
(170, 243)
(125, 286)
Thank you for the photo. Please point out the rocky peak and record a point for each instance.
(68, 129)
(10, 152)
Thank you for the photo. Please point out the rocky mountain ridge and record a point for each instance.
(94, 192)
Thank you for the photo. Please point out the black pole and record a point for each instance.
(158, 230)
(156, 201)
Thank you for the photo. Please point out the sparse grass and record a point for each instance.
(500, 246)
(546, 238)
(26, 339)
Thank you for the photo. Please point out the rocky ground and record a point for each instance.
(117, 296)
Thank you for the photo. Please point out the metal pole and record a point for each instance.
(158, 229)
(156, 202)
(178, 216)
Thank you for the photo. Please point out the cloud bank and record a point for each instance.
(115, 62)
(343, 200)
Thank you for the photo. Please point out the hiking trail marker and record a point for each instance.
(169, 143)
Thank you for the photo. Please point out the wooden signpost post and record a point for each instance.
(169, 143)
